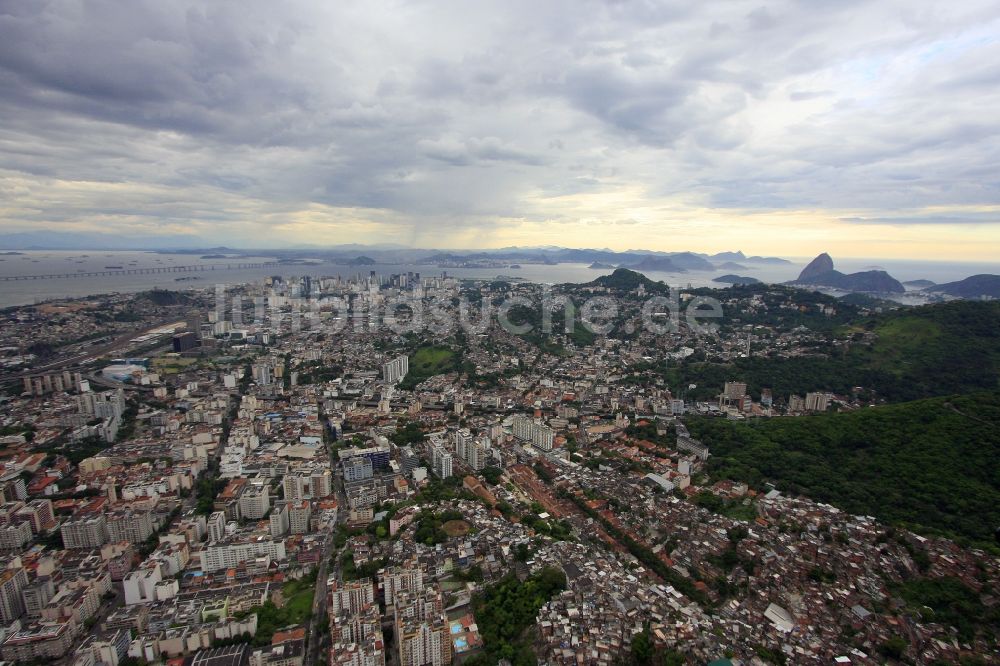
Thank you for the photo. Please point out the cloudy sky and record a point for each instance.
(860, 128)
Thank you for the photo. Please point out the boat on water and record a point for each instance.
(114, 268)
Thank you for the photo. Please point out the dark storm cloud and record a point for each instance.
(454, 113)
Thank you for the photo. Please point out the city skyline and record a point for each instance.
(779, 129)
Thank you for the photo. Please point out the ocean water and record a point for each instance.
(21, 292)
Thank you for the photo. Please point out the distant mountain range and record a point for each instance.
(645, 260)
(673, 262)
(820, 272)
(656, 265)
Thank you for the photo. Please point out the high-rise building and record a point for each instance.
(228, 555)
(193, 324)
(131, 526)
(279, 519)
(766, 398)
(263, 374)
(299, 514)
(311, 483)
(255, 502)
(358, 468)
(474, 451)
(732, 393)
(735, 390)
(14, 536)
(395, 580)
(89, 532)
(321, 483)
(380, 455)
(422, 629)
(528, 429)
(217, 526)
(408, 460)
(36, 596)
(109, 404)
(351, 597)
(12, 581)
(39, 514)
(441, 462)
(140, 585)
(183, 342)
(393, 371)
(817, 402)
(294, 487)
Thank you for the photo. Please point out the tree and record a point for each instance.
(492, 475)
(642, 648)
(894, 647)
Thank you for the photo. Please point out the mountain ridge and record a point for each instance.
(821, 272)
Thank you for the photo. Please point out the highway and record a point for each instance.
(316, 638)
(314, 630)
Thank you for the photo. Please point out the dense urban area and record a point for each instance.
(366, 471)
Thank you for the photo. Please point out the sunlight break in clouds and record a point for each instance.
(779, 128)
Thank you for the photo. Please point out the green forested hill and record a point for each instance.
(938, 349)
(932, 350)
(929, 464)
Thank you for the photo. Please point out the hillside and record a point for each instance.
(623, 279)
(877, 282)
(730, 278)
(933, 350)
(938, 349)
(930, 464)
(975, 286)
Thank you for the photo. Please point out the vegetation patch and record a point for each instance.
(428, 361)
(948, 601)
(505, 612)
(296, 609)
(929, 465)
(933, 350)
(456, 528)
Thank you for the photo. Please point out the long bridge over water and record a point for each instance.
(198, 268)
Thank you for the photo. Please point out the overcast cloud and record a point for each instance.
(456, 124)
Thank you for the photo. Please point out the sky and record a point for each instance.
(782, 128)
